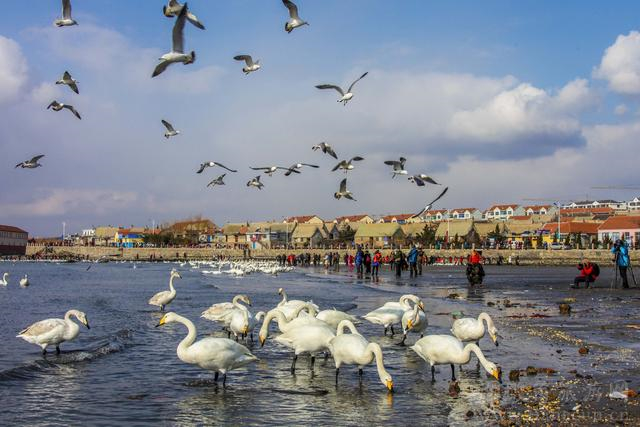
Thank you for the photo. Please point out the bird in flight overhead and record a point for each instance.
(346, 96)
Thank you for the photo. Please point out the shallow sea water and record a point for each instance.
(125, 371)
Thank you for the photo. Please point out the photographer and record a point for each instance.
(586, 274)
(621, 251)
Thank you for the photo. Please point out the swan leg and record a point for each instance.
(360, 373)
(44, 351)
(313, 361)
(251, 336)
(385, 331)
(293, 364)
(404, 337)
(57, 349)
(326, 356)
(392, 331)
(337, 372)
(162, 307)
(224, 380)
(215, 378)
(433, 373)
(453, 373)
(228, 334)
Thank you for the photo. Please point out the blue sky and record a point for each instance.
(500, 100)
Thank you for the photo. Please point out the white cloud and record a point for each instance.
(621, 110)
(60, 201)
(13, 70)
(620, 65)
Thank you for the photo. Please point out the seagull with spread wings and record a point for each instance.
(57, 106)
(421, 179)
(218, 181)
(255, 182)
(170, 129)
(294, 19)
(325, 148)
(66, 19)
(346, 96)
(30, 164)
(177, 51)
(296, 168)
(347, 165)
(69, 81)
(173, 8)
(269, 170)
(428, 207)
(251, 66)
(210, 164)
(398, 166)
(343, 192)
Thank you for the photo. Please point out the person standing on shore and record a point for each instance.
(621, 251)
(359, 259)
(367, 262)
(398, 260)
(377, 258)
(421, 260)
(413, 261)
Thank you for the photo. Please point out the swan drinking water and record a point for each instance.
(54, 331)
(354, 349)
(470, 329)
(309, 338)
(289, 307)
(223, 312)
(214, 354)
(286, 325)
(164, 298)
(445, 349)
(391, 313)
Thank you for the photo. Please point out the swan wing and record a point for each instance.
(218, 311)
(158, 298)
(42, 327)
(220, 354)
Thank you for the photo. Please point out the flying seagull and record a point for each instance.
(57, 106)
(295, 168)
(269, 170)
(421, 179)
(66, 19)
(326, 148)
(255, 182)
(294, 21)
(398, 166)
(346, 97)
(69, 81)
(251, 66)
(217, 181)
(170, 130)
(426, 208)
(205, 165)
(30, 164)
(177, 52)
(343, 192)
(173, 8)
(346, 165)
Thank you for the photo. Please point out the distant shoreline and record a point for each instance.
(523, 257)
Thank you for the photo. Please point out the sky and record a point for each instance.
(501, 101)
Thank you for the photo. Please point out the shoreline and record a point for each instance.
(525, 257)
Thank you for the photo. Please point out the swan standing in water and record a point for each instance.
(289, 307)
(223, 312)
(414, 321)
(164, 298)
(24, 282)
(470, 329)
(4, 281)
(391, 312)
(214, 354)
(54, 331)
(286, 325)
(334, 317)
(310, 338)
(445, 349)
(354, 349)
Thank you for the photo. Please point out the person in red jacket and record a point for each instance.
(475, 257)
(585, 276)
(377, 259)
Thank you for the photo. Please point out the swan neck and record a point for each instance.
(171, 283)
(472, 348)
(191, 335)
(486, 318)
(377, 354)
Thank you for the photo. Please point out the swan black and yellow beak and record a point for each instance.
(496, 374)
(495, 339)
(86, 323)
(162, 321)
(389, 384)
(421, 305)
(262, 341)
(409, 324)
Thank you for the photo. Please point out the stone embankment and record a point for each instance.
(525, 257)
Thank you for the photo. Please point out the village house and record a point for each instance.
(268, 235)
(305, 219)
(503, 212)
(634, 205)
(587, 204)
(379, 235)
(13, 240)
(413, 230)
(618, 227)
(235, 235)
(104, 235)
(399, 218)
(350, 219)
(532, 210)
(195, 231)
(307, 236)
(587, 214)
(435, 215)
(465, 213)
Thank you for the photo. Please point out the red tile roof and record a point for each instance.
(537, 207)
(11, 229)
(301, 219)
(621, 222)
(437, 211)
(351, 218)
(502, 207)
(399, 217)
(520, 218)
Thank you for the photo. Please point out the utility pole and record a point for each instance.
(64, 229)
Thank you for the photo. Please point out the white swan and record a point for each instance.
(470, 329)
(24, 282)
(243, 322)
(4, 281)
(415, 321)
(286, 325)
(215, 354)
(445, 349)
(354, 349)
(334, 317)
(223, 312)
(310, 338)
(391, 313)
(289, 307)
(54, 331)
(164, 298)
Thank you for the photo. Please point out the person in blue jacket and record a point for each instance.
(359, 260)
(621, 251)
(412, 258)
